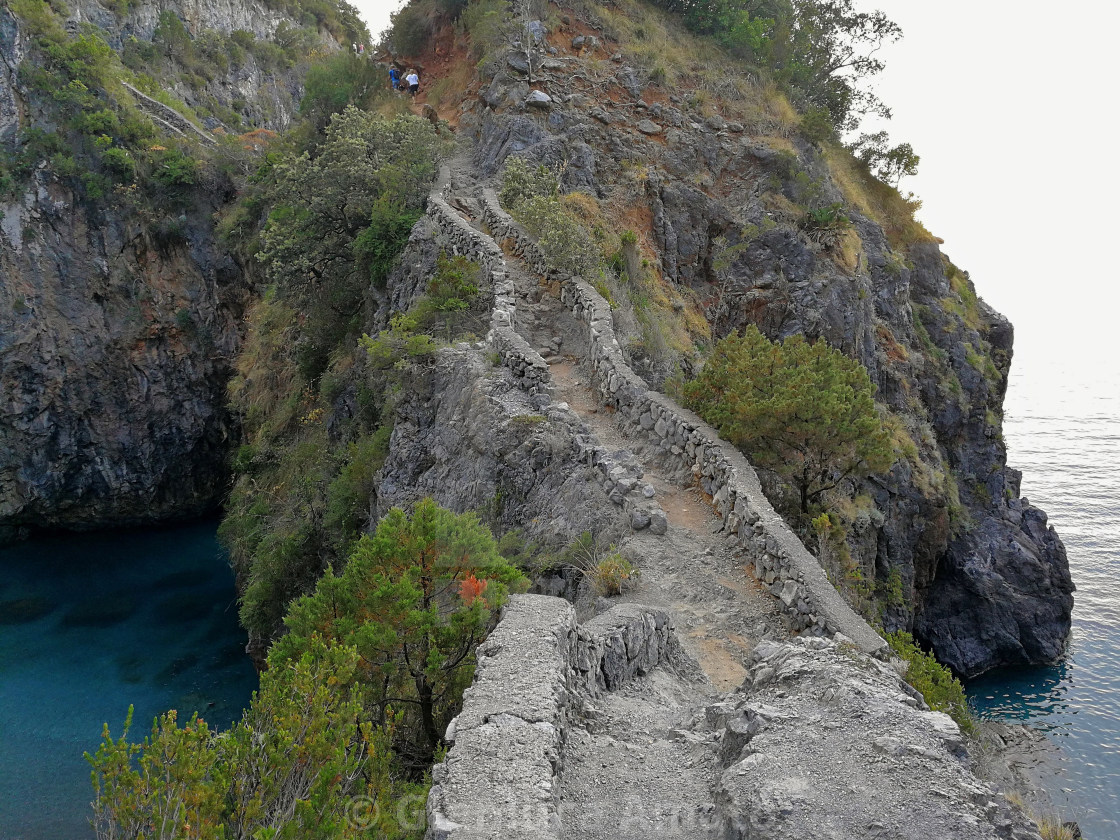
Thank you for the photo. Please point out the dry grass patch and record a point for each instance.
(877, 201)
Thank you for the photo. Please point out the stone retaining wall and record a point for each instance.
(626, 641)
(618, 476)
(527, 365)
(169, 117)
(778, 557)
(501, 777)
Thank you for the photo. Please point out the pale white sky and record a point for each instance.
(376, 13)
(1011, 107)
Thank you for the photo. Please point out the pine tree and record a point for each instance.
(803, 411)
(415, 598)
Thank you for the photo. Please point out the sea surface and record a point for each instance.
(90, 624)
(1062, 427)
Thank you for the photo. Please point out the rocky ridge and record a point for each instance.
(818, 741)
(610, 728)
(983, 578)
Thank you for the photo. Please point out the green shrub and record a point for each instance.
(454, 283)
(294, 765)
(412, 28)
(816, 125)
(484, 21)
(350, 494)
(613, 574)
(120, 162)
(522, 181)
(378, 246)
(173, 169)
(942, 691)
(563, 241)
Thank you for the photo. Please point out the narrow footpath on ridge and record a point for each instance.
(625, 761)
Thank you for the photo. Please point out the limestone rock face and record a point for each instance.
(982, 579)
(114, 353)
(883, 766)
(472, 440)
(1002, 595)
(117, 332)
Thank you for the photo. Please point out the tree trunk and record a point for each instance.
(427, 714)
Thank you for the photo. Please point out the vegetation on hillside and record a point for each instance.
(372, 635)
(414, 599)
(575, 236)
(97, 136)
(337, 220)
(304, 761)
(942, 691)
(323, 215)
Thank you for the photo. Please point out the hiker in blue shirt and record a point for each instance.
(394, 77)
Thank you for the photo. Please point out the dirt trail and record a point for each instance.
(721, 611)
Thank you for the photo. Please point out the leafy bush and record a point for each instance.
(412, 28)
(531, 195)
(340, 219)
(942, 691)
(173, 169)
(120, 162)
(454, 283)
(522, 181)
(563, 241)
(485, 21)
(889, 163)
(826, 224)
(290, 768)
(377, 247)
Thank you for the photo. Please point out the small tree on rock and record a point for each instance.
(803, 411)
(415, 598)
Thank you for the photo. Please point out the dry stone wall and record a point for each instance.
(501, 777)
(527, 365)
(692, 446)
(619, 473)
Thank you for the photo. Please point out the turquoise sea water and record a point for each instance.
(89, 624)
(1063, 431)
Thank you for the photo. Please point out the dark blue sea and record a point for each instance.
(1062, 427)
(90, 624)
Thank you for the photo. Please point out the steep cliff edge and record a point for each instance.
(719, 183)
(120, 309)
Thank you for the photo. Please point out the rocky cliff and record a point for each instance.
(716, 186)
(120, 310)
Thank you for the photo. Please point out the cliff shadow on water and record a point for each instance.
(91, 624)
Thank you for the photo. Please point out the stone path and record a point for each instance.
(636, 765)
(719, 608)
(819, 742)
(637, 770)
